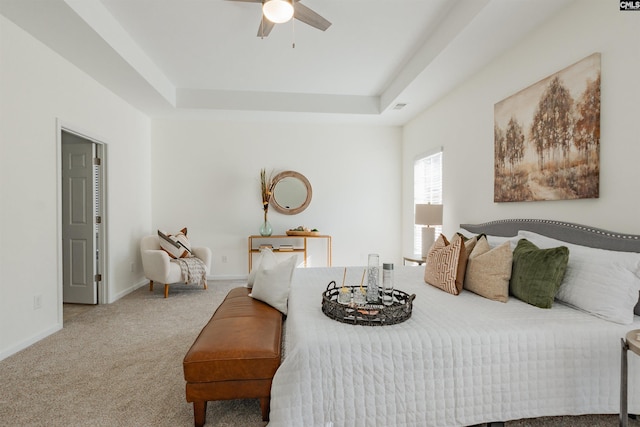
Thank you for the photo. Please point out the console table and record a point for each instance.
(418, 259)
(256, 241)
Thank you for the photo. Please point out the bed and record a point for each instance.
(458, 360)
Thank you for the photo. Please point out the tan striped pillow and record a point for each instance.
(447, 262)
(183, 251)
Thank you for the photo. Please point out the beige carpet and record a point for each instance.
(121, 365)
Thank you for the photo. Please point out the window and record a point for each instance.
(427, 188)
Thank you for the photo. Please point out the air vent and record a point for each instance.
(399, 106)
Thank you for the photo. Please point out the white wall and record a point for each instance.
(206, 176)
(462, 123)
(37, 87)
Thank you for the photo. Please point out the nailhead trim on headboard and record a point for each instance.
(565, 231)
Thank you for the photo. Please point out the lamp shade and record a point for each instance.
(428, 214)
(278, 11)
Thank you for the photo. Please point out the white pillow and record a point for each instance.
(601, 282)
(266, 259)
(494, 241)
(272, 285)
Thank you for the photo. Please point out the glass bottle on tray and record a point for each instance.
(373, 278)
(387, 283)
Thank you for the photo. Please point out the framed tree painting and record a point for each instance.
(547, 137)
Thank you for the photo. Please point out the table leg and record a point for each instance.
(623, 384)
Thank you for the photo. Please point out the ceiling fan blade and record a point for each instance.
(265, 27)
(308, 16)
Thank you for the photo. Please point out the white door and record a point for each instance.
(79, 256)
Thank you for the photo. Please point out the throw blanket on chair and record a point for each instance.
(193, 270)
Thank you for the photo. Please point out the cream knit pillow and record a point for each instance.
(489, 270)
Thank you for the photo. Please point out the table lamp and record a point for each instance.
(428, 214)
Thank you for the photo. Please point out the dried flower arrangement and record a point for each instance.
(266, 185)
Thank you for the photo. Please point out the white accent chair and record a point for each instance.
(158, 268)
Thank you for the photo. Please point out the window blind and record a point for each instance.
(427, 188)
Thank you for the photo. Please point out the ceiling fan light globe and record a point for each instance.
(278, 11)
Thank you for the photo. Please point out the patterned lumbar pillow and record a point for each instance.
(447, 262)
(489, 270)
(537, 273)
(176, 245)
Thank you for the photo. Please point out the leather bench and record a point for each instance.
(235, 356)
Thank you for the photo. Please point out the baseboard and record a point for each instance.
(145, 282)
(228, 277)
(30, 341)
(116, 297)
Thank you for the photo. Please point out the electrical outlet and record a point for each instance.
(37, 302)
(224, 259)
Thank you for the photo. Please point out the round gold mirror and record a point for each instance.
(291, 193)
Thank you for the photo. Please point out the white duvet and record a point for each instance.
(458, 361)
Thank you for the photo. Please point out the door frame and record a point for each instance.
(103, 247)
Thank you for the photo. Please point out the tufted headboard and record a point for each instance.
(565, 231)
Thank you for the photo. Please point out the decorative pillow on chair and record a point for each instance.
(176, 245)
(489, 270)
(537, 273)
(446, 263)
(266, 260)
(272, 285)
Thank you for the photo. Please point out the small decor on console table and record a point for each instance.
(266, 187)
(303, 231)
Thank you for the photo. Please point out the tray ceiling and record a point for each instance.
(201, 58)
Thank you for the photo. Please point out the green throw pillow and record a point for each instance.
(537, 273)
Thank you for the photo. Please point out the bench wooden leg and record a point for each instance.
(150, 285)
(199, 413)
(205, 284)
(265, 403)
(166, 290)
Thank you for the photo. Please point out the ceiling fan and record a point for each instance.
(294, 8)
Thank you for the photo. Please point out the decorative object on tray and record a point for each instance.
(303, 231)
(266, 187)
(365, 313)
(373, 276)
(388, 278)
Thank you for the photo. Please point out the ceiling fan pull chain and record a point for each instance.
(293, 30)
